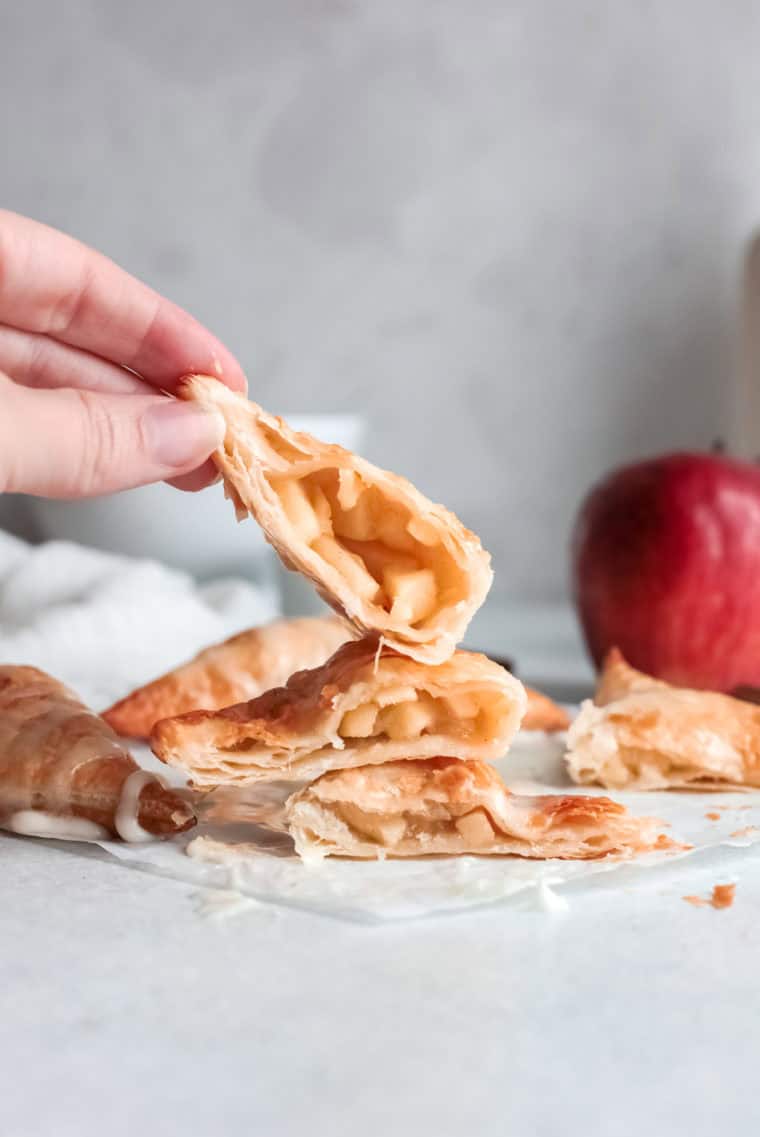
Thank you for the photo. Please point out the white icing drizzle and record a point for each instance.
(46, 736)
(125, 821)
(39, 823)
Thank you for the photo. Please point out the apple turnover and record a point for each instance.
(63, 772)
(544, 714)
(445, 805)
(366, 705)
(618, 679)
(240, 668)
(380, 553)
(641, 733)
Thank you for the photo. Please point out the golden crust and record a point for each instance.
(468, 705)
(410, 572)
(641, 733)
(448, 806)
(59, 761)
(544, 714)
(618, 679)
(239, 668)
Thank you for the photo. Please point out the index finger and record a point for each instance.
(52, 284)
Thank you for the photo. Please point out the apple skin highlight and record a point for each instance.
(666, 566)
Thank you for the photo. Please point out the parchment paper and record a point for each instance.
(239, 846)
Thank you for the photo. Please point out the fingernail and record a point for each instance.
(179, 434)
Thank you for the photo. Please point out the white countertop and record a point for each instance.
(128, 1010)
(125, 1010)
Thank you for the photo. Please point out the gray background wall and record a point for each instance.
(510, 232)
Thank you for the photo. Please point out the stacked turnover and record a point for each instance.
(398, 725)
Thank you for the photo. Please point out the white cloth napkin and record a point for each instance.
(104, 624)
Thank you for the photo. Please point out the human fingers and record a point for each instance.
(53, 284)
(70, 443)
(37, 361)
(205, 475)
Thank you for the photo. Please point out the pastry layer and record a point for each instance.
(543, 713)
(383, 555)
(64, 773)
(449, 806)
(641, 733)
(366, 705)
(239, 668)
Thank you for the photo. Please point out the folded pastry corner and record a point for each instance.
(367, 704)
(617, 678)
(544, 714)
(644, 734)
(429, 806)
(64, 773)
(378, 551)
(239, 668)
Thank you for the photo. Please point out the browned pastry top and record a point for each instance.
(60, 760)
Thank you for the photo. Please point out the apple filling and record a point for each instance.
(403, 714)
(390, 558)
(399, 713)
(617, 767)
(616, 772)
(631, 765)
(475, 827)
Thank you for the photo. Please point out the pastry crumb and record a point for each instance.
(746, 831)
(712, 816)
(722, 897)
(667, 844)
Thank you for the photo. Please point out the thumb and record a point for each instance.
(71, 443)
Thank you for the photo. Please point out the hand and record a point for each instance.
(85, 352)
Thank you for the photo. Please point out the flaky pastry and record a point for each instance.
(388, 559)
(543, 713)
(64, 773)
(364, 706)
(641, 733)
(617, 679)
(239, 668)
(445, 805)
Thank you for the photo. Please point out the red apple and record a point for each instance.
(666, 557)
